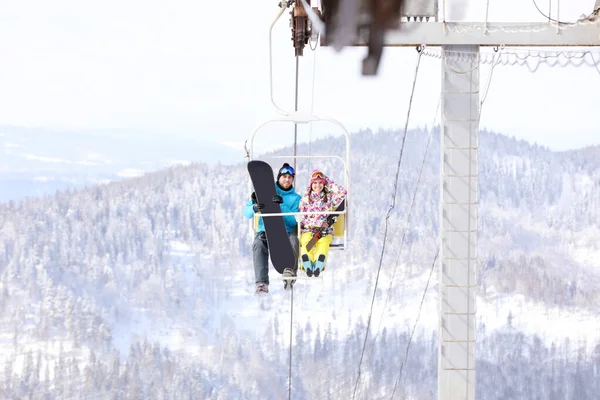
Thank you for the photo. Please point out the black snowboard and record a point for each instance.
(280, 248)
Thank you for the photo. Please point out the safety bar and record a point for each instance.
(300, 213)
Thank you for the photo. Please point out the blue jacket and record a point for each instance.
(290, 203)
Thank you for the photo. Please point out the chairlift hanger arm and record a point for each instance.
(341, 22)
(378, 16)
(301, 25)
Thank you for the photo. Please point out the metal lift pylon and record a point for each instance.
(459, 140)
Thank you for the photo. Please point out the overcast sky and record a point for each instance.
(192, 68)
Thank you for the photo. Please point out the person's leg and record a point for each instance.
(304, 239)
(322, 250)
(306, 256)
(260, 257)
(291, 271)
(295, 245)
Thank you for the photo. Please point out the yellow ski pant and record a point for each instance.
(321, 247)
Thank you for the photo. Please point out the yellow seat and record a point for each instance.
(339, 229)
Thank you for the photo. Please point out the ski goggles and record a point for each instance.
(317, 174)
(287, 170)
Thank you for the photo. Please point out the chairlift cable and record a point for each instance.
(312, 106)
(413, 202)
(420, 51)
(296, 109)
(416, 322)
(290, 364)
(292, 288)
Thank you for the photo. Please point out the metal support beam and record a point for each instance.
(458, 216)
(459, 150)
(584, 33)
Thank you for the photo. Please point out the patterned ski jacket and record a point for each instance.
(328, 200)
(290, 204)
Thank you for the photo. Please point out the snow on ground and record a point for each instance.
(585, 249)
(336, 298)
(552, 324)
(155, 325)
(180, 248)
(50, 349)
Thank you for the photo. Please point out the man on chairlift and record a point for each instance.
(288, 200)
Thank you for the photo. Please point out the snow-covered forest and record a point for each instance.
(145, 289)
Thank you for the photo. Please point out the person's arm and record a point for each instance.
(248, 210)
(337, 193)
(251, 206)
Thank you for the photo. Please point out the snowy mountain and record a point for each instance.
(37, 162)
(144, 288)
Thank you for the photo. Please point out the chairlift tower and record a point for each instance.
(381, 23)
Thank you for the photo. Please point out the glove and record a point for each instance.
(277, 199)
(253, 197)
(258, 207)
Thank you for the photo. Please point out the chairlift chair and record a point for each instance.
(340, 234)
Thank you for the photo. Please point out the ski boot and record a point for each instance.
(319, 264)
(288, 283)
(307, 265)
(262, 288)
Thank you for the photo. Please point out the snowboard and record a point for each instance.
(281, 251)
(331, 219)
